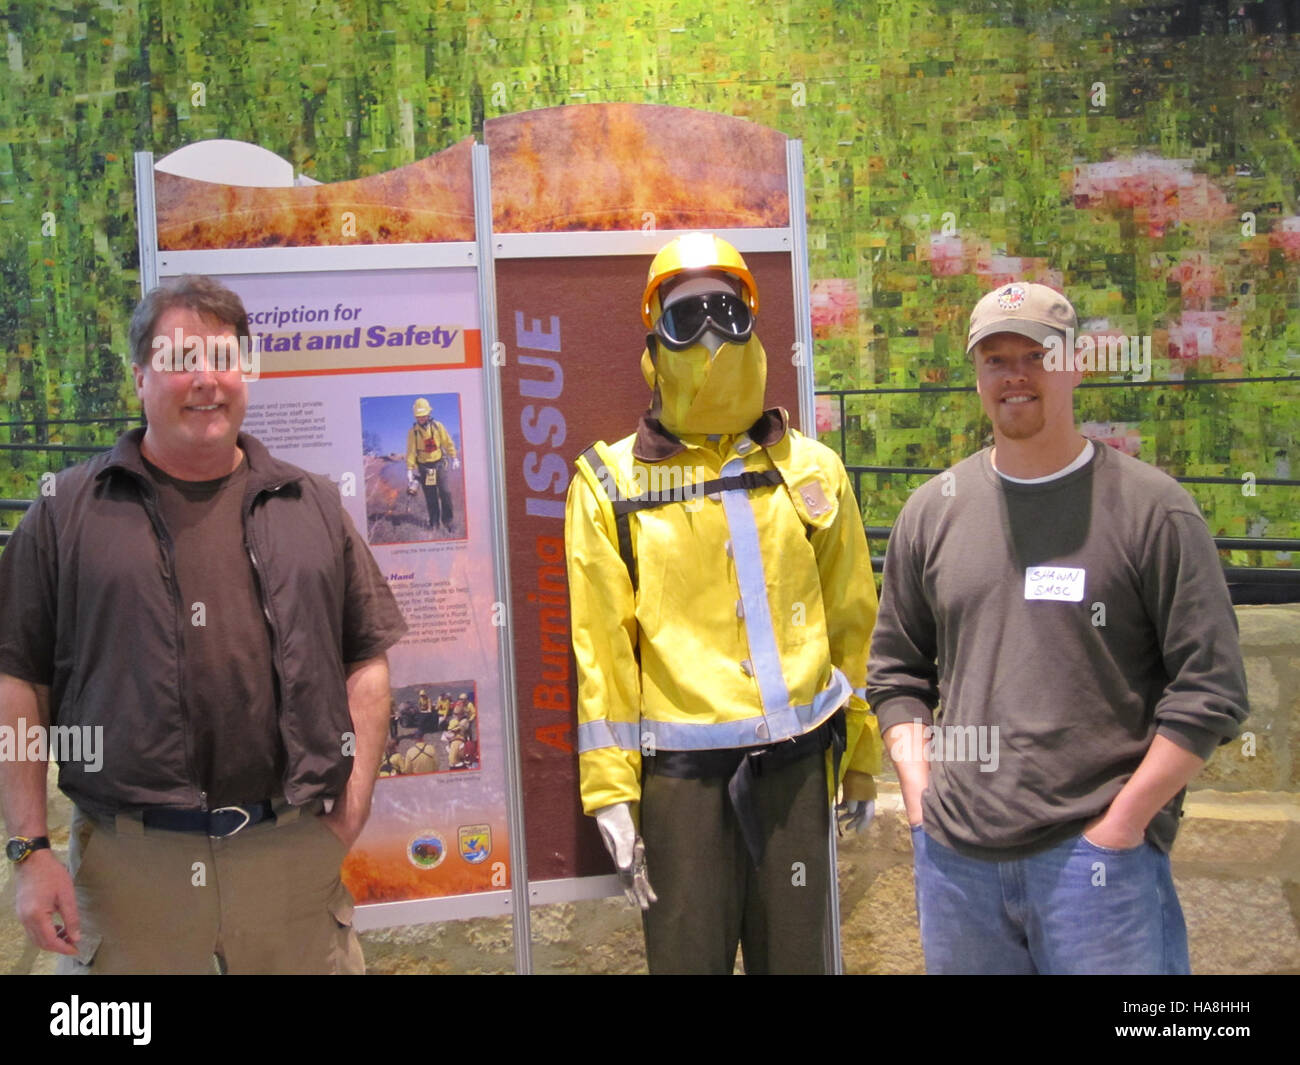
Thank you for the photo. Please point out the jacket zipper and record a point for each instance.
(276, 649)
(167, 550)
(169, 576)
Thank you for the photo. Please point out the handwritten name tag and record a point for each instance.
(1061, 583)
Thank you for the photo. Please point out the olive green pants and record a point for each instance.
(712, 898)
(268, 899)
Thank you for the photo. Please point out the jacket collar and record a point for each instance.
(265, 473)
(654, 443)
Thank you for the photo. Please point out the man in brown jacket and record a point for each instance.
(209, 619)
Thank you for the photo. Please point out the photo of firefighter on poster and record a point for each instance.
(433, 728)
(415, 484)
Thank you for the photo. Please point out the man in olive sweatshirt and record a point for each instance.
(1055, 657)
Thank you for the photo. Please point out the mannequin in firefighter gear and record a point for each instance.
(429, 450)
(722, 603)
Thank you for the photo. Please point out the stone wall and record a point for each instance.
(1236, 865)
(1267, 757)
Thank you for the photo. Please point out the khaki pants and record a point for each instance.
(711, 897)
(266, 900)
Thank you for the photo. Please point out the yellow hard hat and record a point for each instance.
(422, 407)
(695, 251)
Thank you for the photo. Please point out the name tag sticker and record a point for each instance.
(1061, 583)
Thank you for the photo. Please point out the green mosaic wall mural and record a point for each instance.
(1145, 159)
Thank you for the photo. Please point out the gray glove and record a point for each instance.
(628, 852)
(855, 816)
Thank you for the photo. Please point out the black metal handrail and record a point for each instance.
(1281, 577)
(929, 471)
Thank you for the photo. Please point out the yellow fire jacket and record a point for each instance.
(751, 613)
(427, 444)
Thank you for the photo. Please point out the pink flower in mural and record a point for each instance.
(1208, 334)
(1003, 269)
(947, 255)
(1160, 192)
(1122, 436)
(1108, 345)
(1200, 279)
(828, 415)
(1286, 235)
(834, 307)
(998, 270)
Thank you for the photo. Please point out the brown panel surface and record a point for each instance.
(430, 200)
(626, 166)
(587, 387)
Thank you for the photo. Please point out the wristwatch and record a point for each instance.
(19, 848)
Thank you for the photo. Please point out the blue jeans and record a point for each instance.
(1076, 908)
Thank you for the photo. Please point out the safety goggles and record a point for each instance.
(684, 322)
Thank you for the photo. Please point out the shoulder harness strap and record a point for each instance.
(623, 505)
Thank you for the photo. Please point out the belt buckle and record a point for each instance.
(238, 828)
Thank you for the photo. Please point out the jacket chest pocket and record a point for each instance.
(684, 568)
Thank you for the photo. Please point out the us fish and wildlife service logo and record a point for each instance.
(1011, 297)
(427, 850)
(475, 843)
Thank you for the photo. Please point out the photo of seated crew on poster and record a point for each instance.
(433, 728)
(415, 482)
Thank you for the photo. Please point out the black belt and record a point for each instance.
(742, 765)
(219, 823)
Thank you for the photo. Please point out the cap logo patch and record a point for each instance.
(1011, 297)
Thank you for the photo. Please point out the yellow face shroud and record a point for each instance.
(698, 393)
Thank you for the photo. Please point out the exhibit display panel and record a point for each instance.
(367, 367)
(495, 287)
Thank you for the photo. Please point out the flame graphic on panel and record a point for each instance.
(634, 166)
(428, 201)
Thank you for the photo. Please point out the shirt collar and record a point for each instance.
(654, 443)
(265, 471)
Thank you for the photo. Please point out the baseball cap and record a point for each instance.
(1023, 307)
